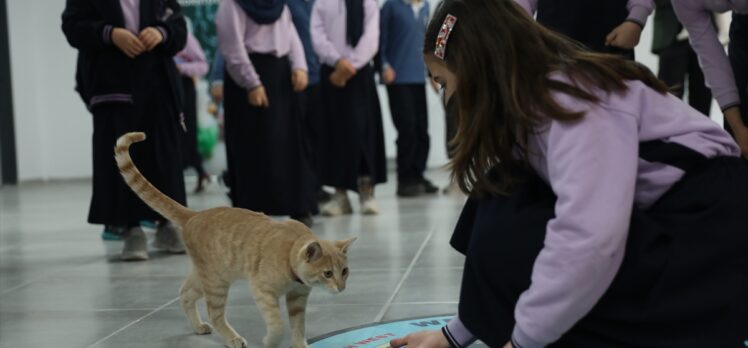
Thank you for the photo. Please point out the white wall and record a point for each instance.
(53, 128)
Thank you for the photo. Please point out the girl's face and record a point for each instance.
(446, 80)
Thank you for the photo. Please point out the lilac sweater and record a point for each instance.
(696, 16)
(329, 33)
(191, 60)
(594, 169)
(239, 36)
(639, 10)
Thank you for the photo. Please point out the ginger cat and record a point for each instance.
(228, 244)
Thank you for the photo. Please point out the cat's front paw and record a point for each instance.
(238, 342)
(203, 329)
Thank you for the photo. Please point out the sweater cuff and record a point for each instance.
(457, 334)
(728, 100)
(164, 33)
(522, 340)
(638, 15)
(106, 34)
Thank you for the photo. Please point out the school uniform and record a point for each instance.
(301, 13)
(628, 231)
(402, 28)
(354, 136)
(127, 95)
(192, 64)
(268, 164)
(727, 77)
(678, 62)
(589, 22)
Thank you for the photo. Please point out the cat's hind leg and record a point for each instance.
(267, 302)
(190, 292)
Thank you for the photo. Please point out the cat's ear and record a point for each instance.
(313, 252)
(344, 244)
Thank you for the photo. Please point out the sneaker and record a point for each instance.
(305, 219)
(409, 190)
(428, 186)
(453, 188)
(168, 239)
(366, 197)
(338, 205)
(113, 232)
(323, 196)
(369, 206)
(136, 247)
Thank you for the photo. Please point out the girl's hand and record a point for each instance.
(388, 75)
(508, 345)
(739, 129)
(127, 42)
(299, 79)
(151, 37)
(625, 36)
(258, 97)
(337, 79)
(423, 339)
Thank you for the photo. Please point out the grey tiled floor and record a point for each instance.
(62, 286)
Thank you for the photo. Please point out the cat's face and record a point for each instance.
(325, 264)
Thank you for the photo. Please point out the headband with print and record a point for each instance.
(443, 36)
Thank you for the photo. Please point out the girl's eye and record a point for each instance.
(328, 274)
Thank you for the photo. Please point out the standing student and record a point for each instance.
(345, 35)
(192, 65)
(301, 13)
(402, 26)
(727, 77)
(129, 82)
(610, 26)
(678, 64)
(591, 191)
(269, 169)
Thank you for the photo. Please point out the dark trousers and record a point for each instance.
(738, 50)
(679, 63)
(314, 125)
(410, 116)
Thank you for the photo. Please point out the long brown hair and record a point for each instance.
(502, 59)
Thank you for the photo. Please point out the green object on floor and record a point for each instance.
(112, 233)
(148, 224)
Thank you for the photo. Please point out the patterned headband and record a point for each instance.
(443, 36)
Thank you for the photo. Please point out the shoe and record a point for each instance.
(453, 188)
(168, 239)
(338, 205)
(409, 190)
(323, 196)
(136, 247)
(113, 232)
(366, 197)
(205, 177)
(428, 186)
(305, 219)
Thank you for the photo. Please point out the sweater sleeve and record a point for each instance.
(639, 11)
(592, 166)
(323, 46)
(531, 6)
(368, 45)
(231, 24)
(712, 57)
(83, 27)
(174, 29)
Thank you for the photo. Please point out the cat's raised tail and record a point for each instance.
(161, 203)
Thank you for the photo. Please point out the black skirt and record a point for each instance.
(190, 156)
(354, 136)
(268, 161)
(684, 277)
(154, 112)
